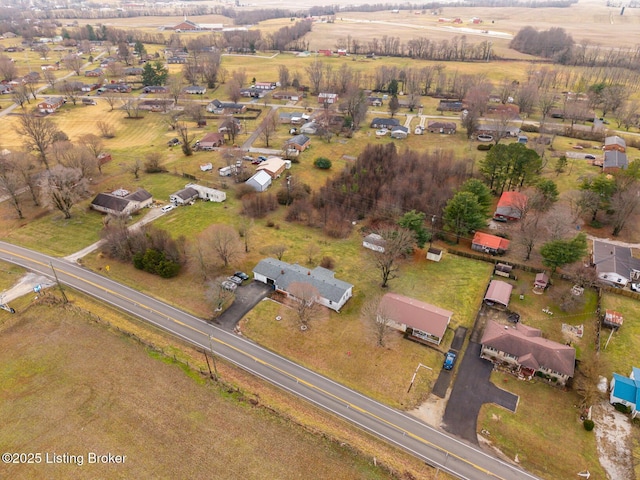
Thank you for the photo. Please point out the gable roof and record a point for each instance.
(111, 202)
(511, 204)
(529, 347)
(260, 177)
(490, 241)
(615, 140)
(186, 193)
(139, 195)
(416, 314)
(212, 137)
(272, 165)
(615, 159)
(499, 292)
(611, 258)
(285, 274)
(385, 121)
(301, 140)
(625, 388)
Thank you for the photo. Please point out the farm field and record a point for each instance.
(106, 394)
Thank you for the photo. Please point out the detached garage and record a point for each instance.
(498, 294)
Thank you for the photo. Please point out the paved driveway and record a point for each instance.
(444, 377)
(471, 390)
(247, 297)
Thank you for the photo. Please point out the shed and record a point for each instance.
(434, 254)
(260, 181)
(503, 270)
(612, 319)
(498, 293)
(542, 281)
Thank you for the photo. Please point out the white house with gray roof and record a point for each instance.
(280, 275)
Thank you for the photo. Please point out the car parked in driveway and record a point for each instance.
(234, 279)
(449, 360)
(635, 287)
(590, 157)
(241, 275)
(227, 285)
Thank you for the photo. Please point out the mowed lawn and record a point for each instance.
(71, 386)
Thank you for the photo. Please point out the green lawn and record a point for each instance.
(623, 351)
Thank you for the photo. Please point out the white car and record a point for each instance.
(382, 132)
(635, 287)
(167, 208)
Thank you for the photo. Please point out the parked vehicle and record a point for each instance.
(167, 208)
(241, 275)
(236, 280)
(635, 287)
(173, 142)
(449, 360)
(227, 285)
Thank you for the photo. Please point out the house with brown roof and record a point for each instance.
(441, 127)
(210, 141)
(274, 166)
(421, 321)
(487, 243)
(526, 352)
(510, 207)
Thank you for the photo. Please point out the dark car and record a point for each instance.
(590, 157)
(262, 158)
(243, 276)
(173, 142)
(449, 360)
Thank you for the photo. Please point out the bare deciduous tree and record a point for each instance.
(107, 130)
(8, 69)
(218, 295)
(245, 231)
(378, 320)
(277, 250)
(268, 127)
(225, 243)
(111, 98)
(39, 134)
(63, 187)
(73, 63)
(305, 302)
(93, 144)
(183, 132)
(24, 164)
(397, 243)
(11, 184)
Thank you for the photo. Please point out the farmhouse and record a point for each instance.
(299, 143)
(333, 293)
(487, 243)
(118, 204)
(498, 293)
(184, 196)
(50, 104)
(441, 127)
(388, 123)
(374, 101)
(374, 242)
(615, 265)
(274, 166)
(526, 352)
(260, 181)
(421, 321)
(510, 207)
(208, 194)
(225, 108)
(626, 390)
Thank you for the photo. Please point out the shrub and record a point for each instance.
(322, 163)
(484, 146)
(588, 424)
(328, 262)
(244, 189)
(622, 408)
(258, 204)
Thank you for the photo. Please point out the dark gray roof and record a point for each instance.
(615, 159)
(106, 200)
(139, 195)
(615, 140)
(385, 121)
(610, 258)
(299, 140)
(186, 193)
(284, 274)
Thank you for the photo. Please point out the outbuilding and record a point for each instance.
(260, 181)
(184, 196)
(498, 293)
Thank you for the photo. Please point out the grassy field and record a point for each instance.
(73, 387)
(622, 351)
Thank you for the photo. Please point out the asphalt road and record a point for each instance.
(434, 447)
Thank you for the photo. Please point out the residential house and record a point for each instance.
(185, 196)
(525, 350)
(614, 160)
(155, 89)
(50, 104)
(252, 92)
(333, 293)
(510, 207)
(615, 265)
(500, 130)
(615, 143)
(274, 166)
(292, 96)
(116, 87)
(374, 242)
(96, 72)
(132, 71)
(299, 143)
(157, 104)
(260, 181)
(487, 243)
(210, 141)
(207, 193)
(309, 128)
(121, 202)
(441, 127)
(285, 117)
(90, 87)
(421, 321)
(498, 293)
(387, 123)
(195, 90)
(264, 85)
(374, 101)
(450, 106)
(225, 108)
(626, 390)
(177, 59)
(327, 98)
(399, 132)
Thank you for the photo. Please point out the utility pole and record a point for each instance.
(55, 274)
(213, 357)
(433, 230)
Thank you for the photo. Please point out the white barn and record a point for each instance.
(260, 181)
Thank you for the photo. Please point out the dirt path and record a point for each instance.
(613, 440)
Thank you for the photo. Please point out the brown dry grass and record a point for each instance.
(73, 387)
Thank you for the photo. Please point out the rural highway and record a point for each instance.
(434, 447)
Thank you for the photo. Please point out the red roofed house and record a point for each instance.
(486, 243)
(421, 321)
(526, 352)
(510, 207)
